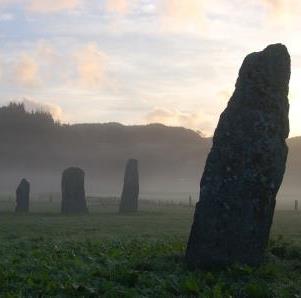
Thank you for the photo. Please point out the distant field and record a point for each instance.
(105, 222)
(102, 222)
(285, 200)
(110, 255)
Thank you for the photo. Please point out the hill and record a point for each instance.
(35, 146)
(171, 159)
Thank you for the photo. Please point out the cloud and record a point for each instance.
(179, 14)
(8, 2)
(43, 6)
(26, 71)
(117, 6)
(1, 68)
(31, 105)
(44, 65)
(276, 5)
(193, 120)
(91, 66)
(52, 6)
(283, 10)
(6, 17)
(4, 4)
(46, 52)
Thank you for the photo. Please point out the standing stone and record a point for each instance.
(130, 192)
(296, 205)
(245, 167)
(22, 197)
(73, 191)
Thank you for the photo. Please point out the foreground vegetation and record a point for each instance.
(108, 255)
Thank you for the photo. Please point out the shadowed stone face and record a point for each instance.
(245, 167)
(22, 197)
(130, 193)
(73, 191)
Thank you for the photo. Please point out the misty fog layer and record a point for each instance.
(171, 159)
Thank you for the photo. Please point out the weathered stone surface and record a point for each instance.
(130, 192)
(22, 197)
(245, 167)
(73, 191)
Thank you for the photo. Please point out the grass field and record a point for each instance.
(103, 254)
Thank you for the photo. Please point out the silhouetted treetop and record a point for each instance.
(14, 115)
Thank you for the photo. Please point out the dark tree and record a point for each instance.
(245, 167)
(73, 191)
(130, 192)
(22, 197)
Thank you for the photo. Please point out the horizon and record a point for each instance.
(43, 110)
(139, 62)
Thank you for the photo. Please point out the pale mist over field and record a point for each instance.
(171, 159)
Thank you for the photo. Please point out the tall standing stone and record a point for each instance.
(22, 197)
(73, 191)
(130, 192)
(245, 167)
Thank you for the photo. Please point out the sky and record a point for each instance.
(140, 61)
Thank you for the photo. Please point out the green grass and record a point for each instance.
(104, 254)
(102, 223)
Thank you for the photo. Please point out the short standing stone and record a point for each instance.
(245, 167)
(130, 193)
(22, 197)
(73, 191)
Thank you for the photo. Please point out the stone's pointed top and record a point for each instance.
(263, 85)
(270, 68)
(277, 47)
(24, 181)
(275, 53)
(74, 170)
(277, 59)
(132, 165)
(132, 160)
